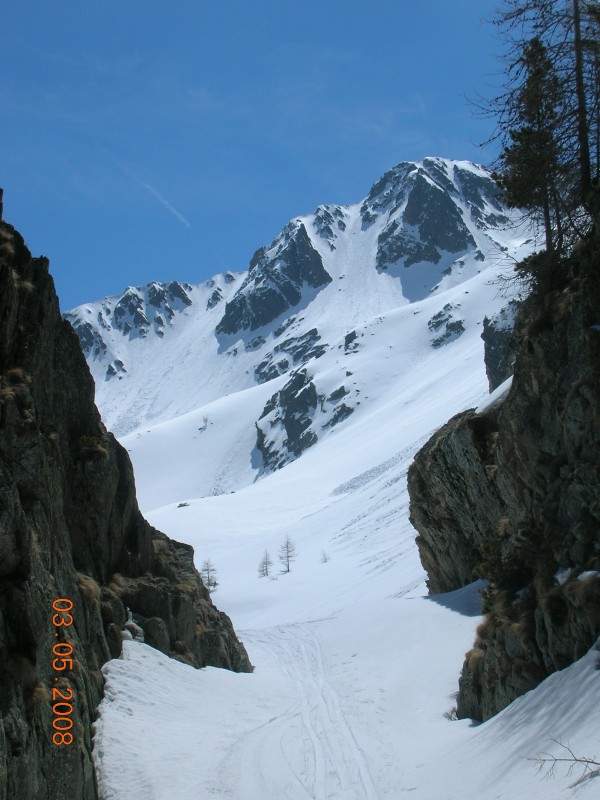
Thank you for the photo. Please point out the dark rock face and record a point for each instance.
(293, 418)
(290, 352)
(446, 326)
(499, 343)
(283, 430)
(138, 312)
(135, 314)
(431, 222)
(449, 511)
(388, 194)
(477, 189)
(275, 281)
(424, 208)
(351, 342)
(329, 220)
(439, 222)
(214, 299)
(70, 527)
(513, 495)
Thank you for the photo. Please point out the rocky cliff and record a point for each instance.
(70, 528)
(512, 494)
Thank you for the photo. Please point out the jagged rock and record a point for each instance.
(70, 527)
(337, 394)
(340, 413)
(477, 190)
(292, 419)
(327, 221)
(499, 344)
(254, 344)
(214, 299)
(283, 430)
(437, 219)
(281, 329)
(513, 495)
(137, 312)
(275, 282)
(298, 349)
(445, 325)
(351, 342)
(270, 368)
(426, 227)
(388, 193)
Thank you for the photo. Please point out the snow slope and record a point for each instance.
(330, 712)
(163, 350)
(356, 668)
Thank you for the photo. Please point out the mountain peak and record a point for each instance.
(167, 348)
(275, 282)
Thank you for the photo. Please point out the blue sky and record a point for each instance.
(141, 140)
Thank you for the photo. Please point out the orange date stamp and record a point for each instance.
(62, 698)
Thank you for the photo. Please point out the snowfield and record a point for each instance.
(356, 668)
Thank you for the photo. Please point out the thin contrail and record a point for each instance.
(155, 193)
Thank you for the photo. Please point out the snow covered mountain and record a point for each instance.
(289, 401)
(162, 350)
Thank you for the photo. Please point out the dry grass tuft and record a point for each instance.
(91, 448)
(88, 588)
(474, 659)
(41, 694)
(16, 375)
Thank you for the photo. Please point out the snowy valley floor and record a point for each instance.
(356, 669)
(350, 707)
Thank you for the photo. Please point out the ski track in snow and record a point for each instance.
(314, 738)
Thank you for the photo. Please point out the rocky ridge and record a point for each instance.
(165, 349)
(70, 527)
(510, 493)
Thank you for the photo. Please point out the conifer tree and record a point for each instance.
(264, 566)
(287, 554)
(529, 168)
(548, 117)
(208, 574)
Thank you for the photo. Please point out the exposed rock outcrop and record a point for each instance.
(70, 528)
(292, 351)
(283, 431)
(499, 340)
(513, 495)
(278, 279)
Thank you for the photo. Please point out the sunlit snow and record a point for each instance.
(356, 669)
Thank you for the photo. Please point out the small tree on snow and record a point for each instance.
(264, 567)
(209, 575)
(287, 554)
(324, 557)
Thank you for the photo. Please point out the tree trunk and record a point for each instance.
(582, 120)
